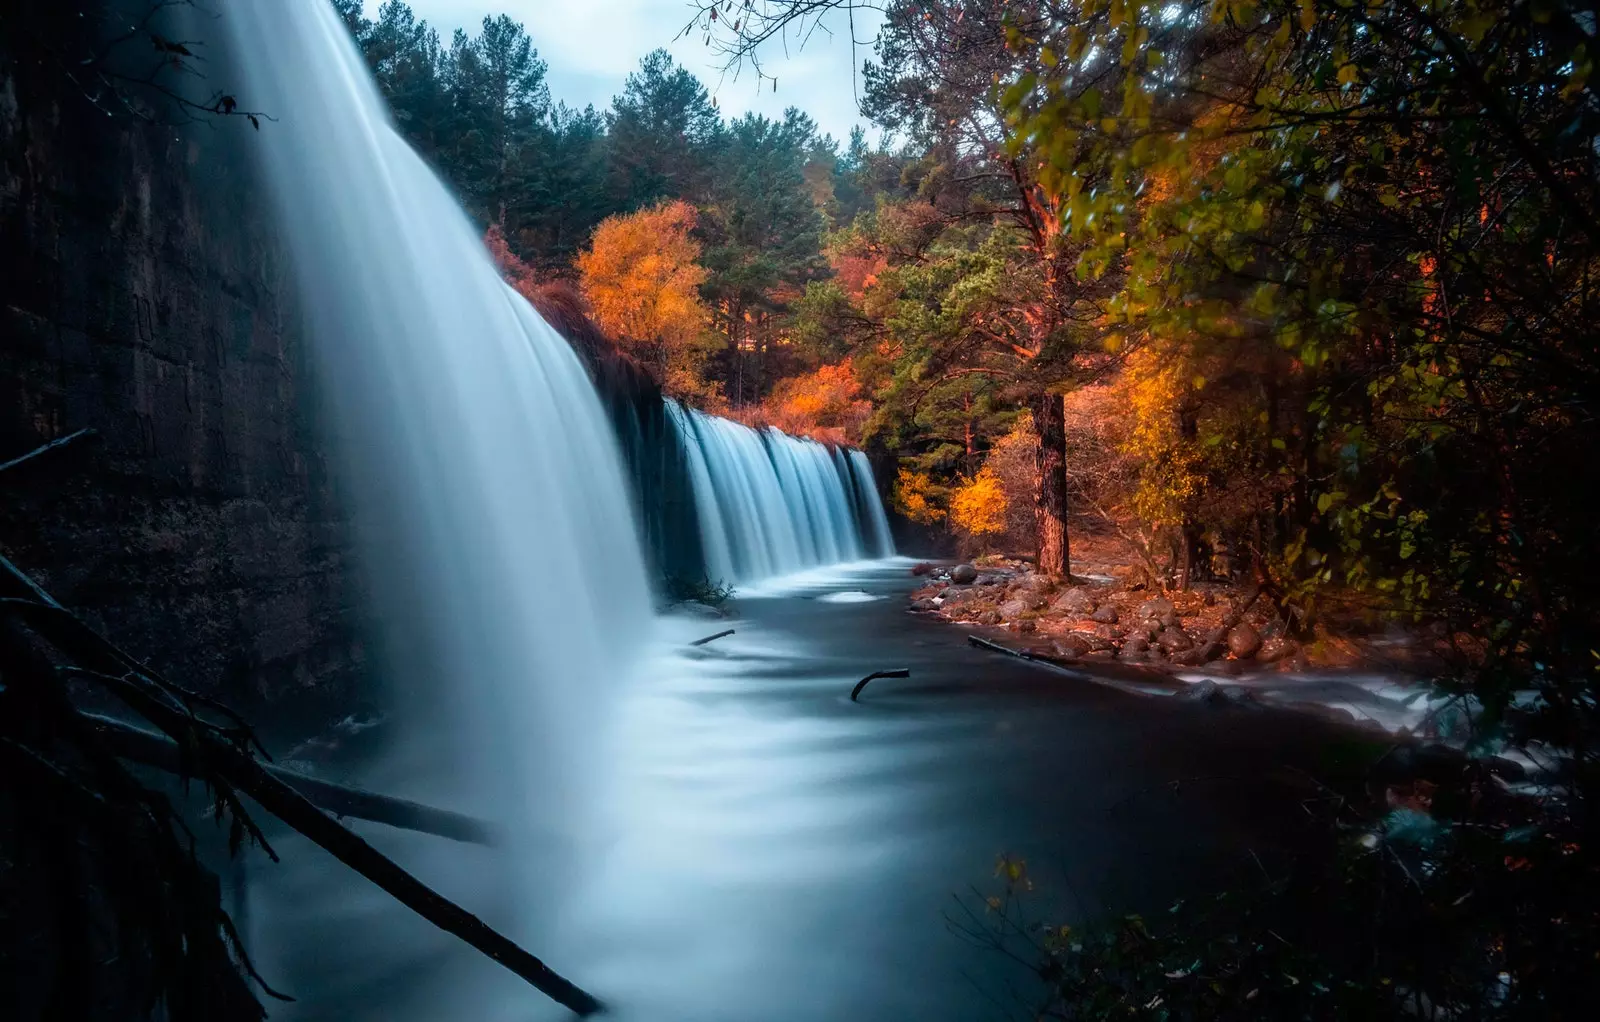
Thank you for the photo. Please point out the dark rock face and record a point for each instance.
(146, 296)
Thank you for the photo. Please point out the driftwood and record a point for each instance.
(222, 757)
(1046, 659)
(713, 638)
(45, 449)
(157, 750)
(898, 672)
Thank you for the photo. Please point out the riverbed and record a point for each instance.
(759, 847)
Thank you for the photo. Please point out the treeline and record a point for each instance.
(762, 193)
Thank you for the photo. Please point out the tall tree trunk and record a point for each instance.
(1050, 498)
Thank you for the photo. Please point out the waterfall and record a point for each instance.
(770, 504)
(488, 499)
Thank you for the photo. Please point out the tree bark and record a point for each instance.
(1050, 495)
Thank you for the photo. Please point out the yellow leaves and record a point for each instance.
(916, 495)
(1308, 14)
(1348, 73)
(979, 505)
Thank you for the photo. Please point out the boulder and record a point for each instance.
(1136, 644)
(1076, 602)
(1023, 627)
(1106, 615)
(989, 617)
(921, 569)
(924, 605)
(964, 574)
(1108, 632)
(1243, 641)
(1174, 640)
(1274, 649)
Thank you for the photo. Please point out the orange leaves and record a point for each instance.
(825, 404)
(641, 276)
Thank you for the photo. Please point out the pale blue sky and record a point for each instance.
(591, 45)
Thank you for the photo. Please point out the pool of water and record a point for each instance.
(758, 847)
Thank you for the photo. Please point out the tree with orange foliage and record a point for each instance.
(641, 276)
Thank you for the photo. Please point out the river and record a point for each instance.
(762, 848)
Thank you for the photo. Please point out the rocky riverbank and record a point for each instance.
(1102, 615)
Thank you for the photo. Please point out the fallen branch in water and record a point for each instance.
(1058, 663)
(713, 638)
(157, 750)
(46, 448)
(223, 756)
(898, 672)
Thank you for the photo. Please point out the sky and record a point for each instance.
(592, 45)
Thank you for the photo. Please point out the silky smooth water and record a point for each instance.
(771, 504)
(489, 502)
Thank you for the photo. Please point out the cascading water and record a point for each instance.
(771, 504)
(488, 495)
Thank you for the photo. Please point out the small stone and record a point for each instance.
(1197, 655)
(1076, 602)
(989, 617)
(964, 574)
(1108, 632)
(924, 606)
(1243, 641)
(1106, 615)
(1072, 645)
(1174, 640)
(1013, 609)
(1157, 609)
(1135, 644)
(1274, 649)
(1094, 643)
(1024, 627)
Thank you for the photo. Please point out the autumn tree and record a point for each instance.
(641, 278)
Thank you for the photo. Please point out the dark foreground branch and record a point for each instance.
(898, 672)
(156, 750)
(210, 752)
(713, 638)
(45, 449)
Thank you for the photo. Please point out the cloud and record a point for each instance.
(592, 45)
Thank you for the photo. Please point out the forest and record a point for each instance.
(1228, 370)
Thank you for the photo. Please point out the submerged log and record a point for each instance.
(45, 449)
(713, 638)
(157, 750)
(1058, 663)
(898, 672)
